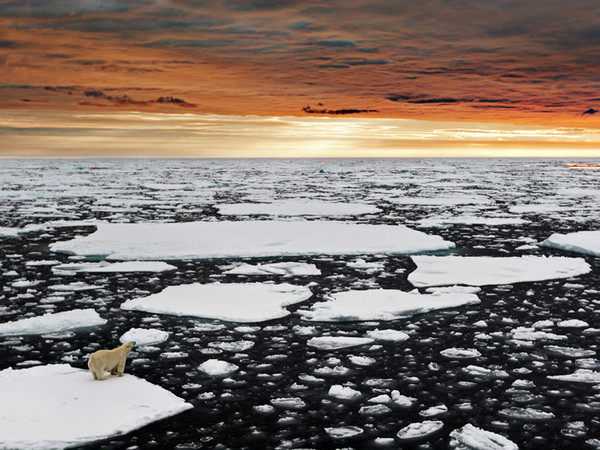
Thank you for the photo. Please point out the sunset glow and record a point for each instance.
(290, 79)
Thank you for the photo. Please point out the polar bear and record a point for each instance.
(111, 360)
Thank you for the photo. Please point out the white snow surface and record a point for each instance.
(55, 406)
(104, 267)
(297, 208)
(144, 336)
(281, 268)
(198, 240)
(484, 270)
(382, 304)
(243, 302)
(473, 438)
(52, 322)
(586, 242)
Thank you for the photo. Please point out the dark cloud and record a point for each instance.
(310, 110)
(337, 43)
(590, 111)
(10, 44)
(182, 43)
(125, 100)
(397, 97)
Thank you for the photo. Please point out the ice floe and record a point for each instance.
(244, 302)
(586, 242)
(460, 353)
(434, 222)
(473, 438)
(282, 268)
(217, 368)
(55, 406)
(382, 304)
(104, 267)
(388, 335)
(344, 393)
(343, 432)
(419, 430)
(144, 336)
(53, 322)
(337, 342)
(172, 241)
(297, 208)
(579, 376)
(483, 270)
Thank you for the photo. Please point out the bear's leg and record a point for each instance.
(113, 371)
(94, 374)
(99, 374)
(121, 367)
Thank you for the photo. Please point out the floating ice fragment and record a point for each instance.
(343, 432)
(294, 403)
(473, 438)
(478, 371)
(344, 393)
(244, 302)
(569, 352)
(238, 346)
(382, 304)
(77, 286)
(374, 410)
(586, 242)
(217, 368)
(53, 322)
(144, 336)
(186, 240)
(297, 208)
(337, 342)
(362, 360)
(282, 268)
(470, 220)
(573, 323)
(579, 376)
(63, 402)
(529, 334)
(460, 353)
(103, 267)
(419, 431)
(525, 414)
(484, 270)
(402, 400)
(388, 335)
(434, 411)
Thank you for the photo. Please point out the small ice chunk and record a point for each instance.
(419, 431)
(337, 342)
(543, 324)
(471, 437)
(237, 346)
(282, 268)
(343, 432)
(144, 336)
(374, 410)
(53, 322)
(217, 368)
(573, 323)
(586, 242)
(388, 335)
(526, 414)
(121, 267)
(460, 353)
(569, 352)
(362, 360)
(293, 403)
(402, 400)
(478, 371)
(344, 393)
(579, 376)
(434, 411)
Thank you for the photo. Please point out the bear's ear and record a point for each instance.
(133, 343)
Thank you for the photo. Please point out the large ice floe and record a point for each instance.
(244, 302)
(382, 304)
(297, 208)
(55, 406)
(189, 240)
(52, 322)
(484, 270)
(586, 242)
(104, 267)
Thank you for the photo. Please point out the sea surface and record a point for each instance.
(46, 201)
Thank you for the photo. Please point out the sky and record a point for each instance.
(289, 78)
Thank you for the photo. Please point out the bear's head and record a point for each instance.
(129, 345)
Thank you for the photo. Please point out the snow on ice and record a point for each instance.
(53, 322)
(57, 405)
(483, 270)
(337, 342)
(189, 240)
(419, 430)
(586, 242)
(382, 304)
(244, 302)
(217, 368)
